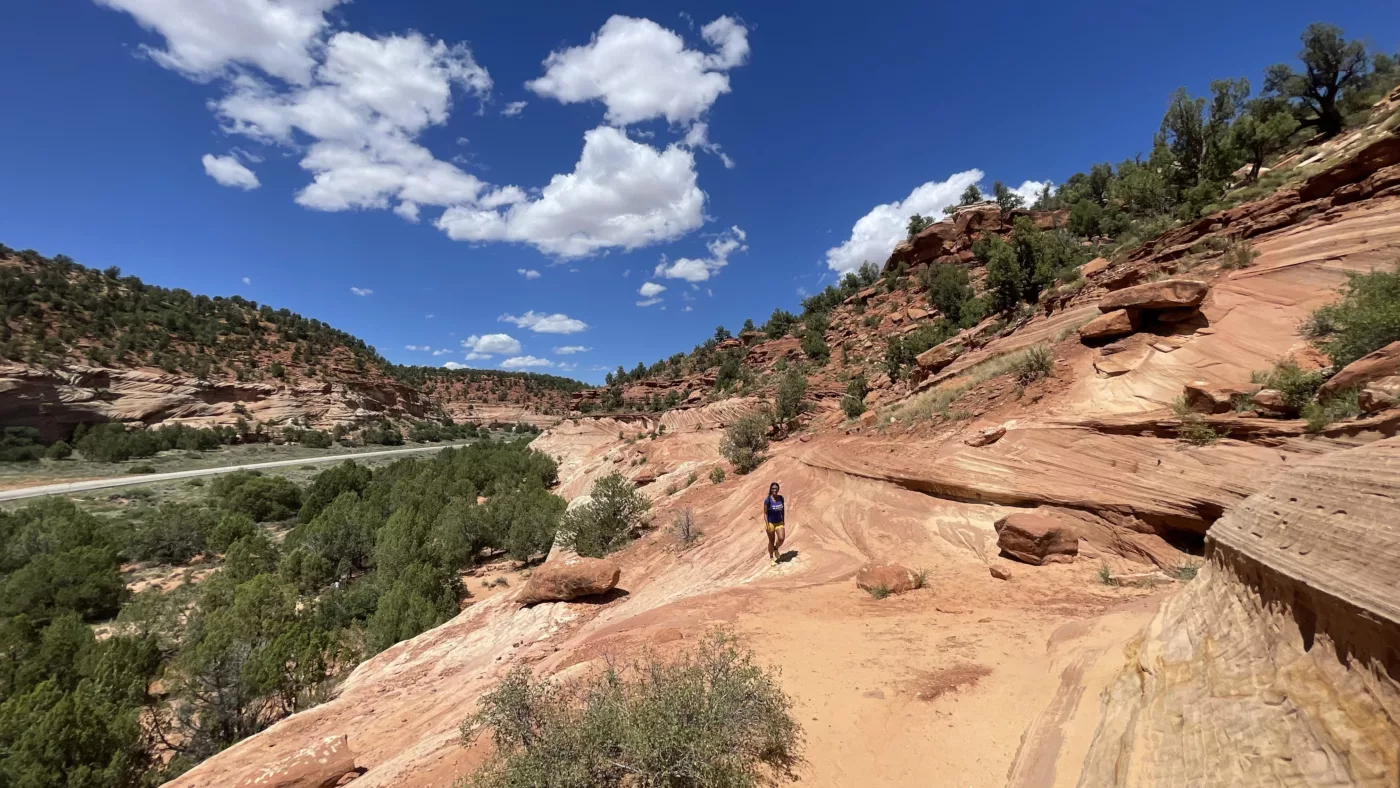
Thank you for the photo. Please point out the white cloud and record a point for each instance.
(546, 324)
(442, 351)
(514, 108)
(569, 350)
(490, 344)
(417, 347)
(408, 210)
(649, 302)
(565, 367)
(691, 270)
(528, 273)
(641, 70)
(622, 193)
(429, 316)
(361, 291)
(874, 236)
(522, 362)
(453, 365)
(229, 171)
(247, 281)
(698, 137)
(688, 309)
(1030, 190)
(202, 40)
(651, 289)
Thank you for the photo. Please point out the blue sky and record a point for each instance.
(279, 149)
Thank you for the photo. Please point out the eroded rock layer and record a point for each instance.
(1280, 665)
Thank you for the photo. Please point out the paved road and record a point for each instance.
(147, 478)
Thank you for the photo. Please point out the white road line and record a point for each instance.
(126, 481)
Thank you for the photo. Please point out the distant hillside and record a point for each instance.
(173, 355)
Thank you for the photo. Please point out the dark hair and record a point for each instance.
(771, 485)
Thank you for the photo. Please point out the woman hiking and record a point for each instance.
(773, 511)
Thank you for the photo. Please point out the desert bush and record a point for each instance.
(711, 717)
(1366, 319)
(1237, 254)
(853, 403)
(1032, 364)
(20, 444)
(1321, 415)
(59, 451)
(262, 498)
(745, 441)
(717, 475)
(605, 523)
(791, 390)
(1195, 431)
(683, 524)
(1298, 386)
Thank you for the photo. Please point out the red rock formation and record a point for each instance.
(571, 578)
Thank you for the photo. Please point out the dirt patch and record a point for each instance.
(933, 684)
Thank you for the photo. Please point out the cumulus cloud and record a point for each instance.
(453, 365)
(875, 234)
(353, 107)
(489, 345)
(528, 273)
(1030, 190)
(418, 347)
(202, 40)
(569, 350)
(698, 138)
(650, 289)
(247, 281)
(622, 193)
(361, 291)
(688, 308)
(546, 324)
(523, 362)
(442, 351)
(514, 108)
(700, 270)
(229, 171)
(640, 70)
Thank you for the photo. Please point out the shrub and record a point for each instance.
(948, 289)
(1032, 364)
(171, 534)
(605, 523)
(1297, 386)
(142, 468)
(745, 441)
(684, 527)
(1320, 415)
(1365, 320)
(791, 390)
(262, 498)
(814, 346)
(711, 717)
(59, 451)
(853, 403)
(1195, 431)
(879, 592)
(1186, 571)
(717, 475)
(20, 444)
(1238, 254)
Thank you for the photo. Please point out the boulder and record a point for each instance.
(987, 436)
(1203, 397)
(915, 313)
(867, 419)
(1271, 401)
(1164, 294)
(570, 579)
(940, 356)
(321, 765)
(1036, 539)
(1382, 363)
(1380, 394)
(1000, 573)
(1113, 324)
(888, 575)
(1094, 266)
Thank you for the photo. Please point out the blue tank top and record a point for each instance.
(774, 508)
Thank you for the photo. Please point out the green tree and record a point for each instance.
(918, 224)
(1006, 199)
(745, 442)
(1263, 130)
(605, 522)
(1332, 67)
(853, 403)
(791, 391)
(948, 289)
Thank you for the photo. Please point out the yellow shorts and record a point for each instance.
(775, 526)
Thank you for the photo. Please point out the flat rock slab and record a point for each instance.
(1164, 294)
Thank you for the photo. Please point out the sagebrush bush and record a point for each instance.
(745, 441)
(1032, 364)
(1298, 386)
(1365, 320)
(711, 717)
(605, 523)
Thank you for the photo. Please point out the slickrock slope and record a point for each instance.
(1280, 664)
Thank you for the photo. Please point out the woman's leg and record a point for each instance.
(772, 546)
(781, 533)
